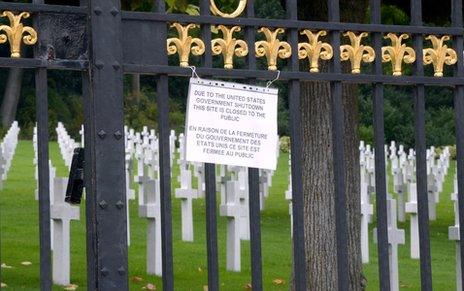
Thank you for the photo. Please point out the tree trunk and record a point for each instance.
(318, 179)
(135, 88)
(318, 186)
(11, 96)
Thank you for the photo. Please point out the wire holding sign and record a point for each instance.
(230, 123)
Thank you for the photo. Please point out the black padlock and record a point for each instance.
(76, 178)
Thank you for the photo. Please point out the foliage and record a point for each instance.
(145, 112)
(284, 143)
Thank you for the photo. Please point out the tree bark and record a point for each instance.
(317, 159)
(135, 87)
(11, 96)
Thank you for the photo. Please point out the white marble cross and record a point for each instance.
(398, 185)
(453, 234)
(370, 168)
(61, 213)
(142, 176)
(172, 145)
(181, 150)
(263, 187)
(395, 237)
(288, 194)
(411, 208)
(367, 209)
(199, 173)
(242, 178)
(432, 190)
(232, 210)
(186, 193)
(151, 210)
(81, 132)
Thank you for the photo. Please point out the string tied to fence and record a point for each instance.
(194, 72)
(272, 81)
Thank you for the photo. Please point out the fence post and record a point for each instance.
(106, 202)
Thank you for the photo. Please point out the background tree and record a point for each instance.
(317, 157)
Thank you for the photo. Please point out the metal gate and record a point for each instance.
(98, 39)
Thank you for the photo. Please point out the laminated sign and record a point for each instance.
(231, 124)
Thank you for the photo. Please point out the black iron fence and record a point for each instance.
(106, 47)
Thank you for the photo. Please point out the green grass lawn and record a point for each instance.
(20, 239)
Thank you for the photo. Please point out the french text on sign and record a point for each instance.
(232, 124)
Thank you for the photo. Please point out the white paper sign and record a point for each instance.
(231, 124)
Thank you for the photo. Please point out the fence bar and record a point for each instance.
(338, 154)
(421, 160)
(299, 254)
(162, 100)
(211, 227)
(380, 174)
(253, 180)
(44, 180)
(255, 229)
(41, 105)
(457, 21)
(210, 175)
(287, 23)
(107, 222)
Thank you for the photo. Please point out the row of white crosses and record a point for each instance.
(61, 215)
(403, 167)
(7, 150)
(233, 184)
(395, 236)
(146, 153)
(367, 209)
(66, 144)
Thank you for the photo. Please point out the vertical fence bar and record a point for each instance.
(457, 21)
(44, 180)
(90, 199)
(107, 164)
(253, 179)
(255, 229)
(162, 100)
(421, 166)
(41, 89)
(211, 227)
(380, 175)
(210, 175)
(299, 255)
(338, 153)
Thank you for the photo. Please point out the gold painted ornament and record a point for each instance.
(272, 48)
(229, 46)
(314, 49)
(440, 54)
(355, 52)
(398, 53)
(17, 32)
(184, 44)
(215, 10)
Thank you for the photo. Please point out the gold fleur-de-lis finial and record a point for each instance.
(440, 54)
(229, 46)
(272, 47)
(314, 49)
(398, 53)
(356, 52)
(184, 44)
(16, 32)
